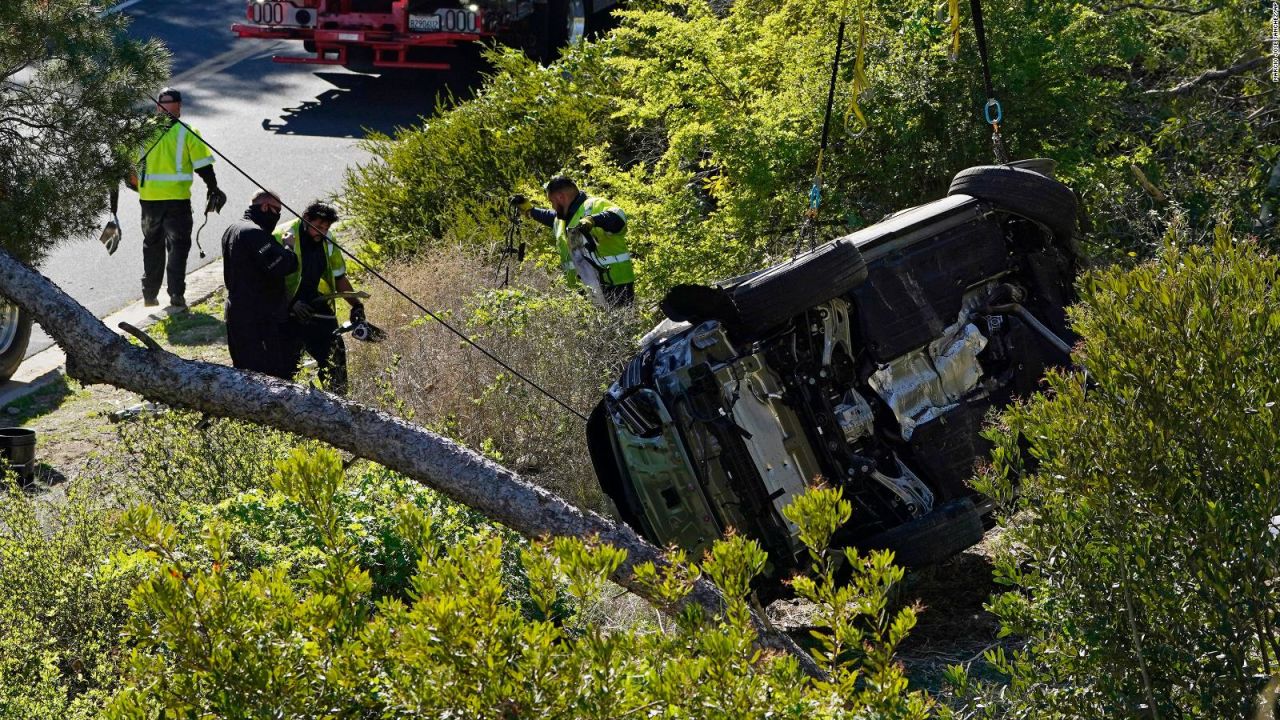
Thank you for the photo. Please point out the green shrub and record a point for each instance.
(703, 122)
(61, 605)
(174, 458)
(267, 529)
(212, 640)
(1140, 543)
(464, 162)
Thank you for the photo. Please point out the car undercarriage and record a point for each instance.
(871, 363)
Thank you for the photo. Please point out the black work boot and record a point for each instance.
(177, 301)
(150, 300)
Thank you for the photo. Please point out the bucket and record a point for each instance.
(18, 449)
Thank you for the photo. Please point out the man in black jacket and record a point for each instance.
(254, 269)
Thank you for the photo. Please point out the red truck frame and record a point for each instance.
(416, 34)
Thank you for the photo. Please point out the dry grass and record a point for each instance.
(546, 332)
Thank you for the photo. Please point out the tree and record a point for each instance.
(71, 83)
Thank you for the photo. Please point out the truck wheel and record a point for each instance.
(768, 299)
(1022, 192)
(15, 333)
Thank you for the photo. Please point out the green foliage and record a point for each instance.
(70, 83)
(1141, 540)
(213, 637)
(174, 458)
(525, 123)
(703, 122)
(61, 608)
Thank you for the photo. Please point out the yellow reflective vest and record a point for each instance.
(166, 170)
(611, 248)
(335, 265)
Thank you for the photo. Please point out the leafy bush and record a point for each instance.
(212, 641)
(66, 573)
(174, 458)
(1141, 543)
(703, 122)
(61, 608)
(267, 529)
(526, 122)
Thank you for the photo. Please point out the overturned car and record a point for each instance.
(870, 362)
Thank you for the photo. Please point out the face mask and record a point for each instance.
(265, 219)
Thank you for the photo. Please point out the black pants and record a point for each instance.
(317, 338)
(166, 228)
(619, 295)
(267, 348)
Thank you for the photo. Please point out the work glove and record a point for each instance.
(215, 200)
(584, 228)
(521, 203)
(302, 312)
(357, 314)
(110, 237)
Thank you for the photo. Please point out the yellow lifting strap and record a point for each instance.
(954, 6)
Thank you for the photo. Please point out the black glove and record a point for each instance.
(521, 203)
(216, 199)
(357, 314)
(302, 312)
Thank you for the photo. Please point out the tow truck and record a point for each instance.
(372, 35)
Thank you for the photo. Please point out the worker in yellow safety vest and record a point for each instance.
(322, 271)
(166, 166)
(590, 234)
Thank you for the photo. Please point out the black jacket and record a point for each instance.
(254, 267)
(609, 221)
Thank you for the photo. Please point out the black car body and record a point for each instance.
(871, 362)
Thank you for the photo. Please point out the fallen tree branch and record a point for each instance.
(95, 354)
(1211, 75)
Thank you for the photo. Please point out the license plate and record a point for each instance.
(280, 14)
(424, 23)
(445, 20)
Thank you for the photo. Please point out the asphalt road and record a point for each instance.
(295, 128)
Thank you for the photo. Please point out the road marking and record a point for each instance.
(120, 7)
(218, 63)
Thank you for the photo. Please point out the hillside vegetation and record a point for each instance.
(214, 569)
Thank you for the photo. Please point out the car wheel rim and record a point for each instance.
(9, 317)
(577, 21)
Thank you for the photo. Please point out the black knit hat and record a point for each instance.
(169, 95)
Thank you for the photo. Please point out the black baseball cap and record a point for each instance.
(169, 95)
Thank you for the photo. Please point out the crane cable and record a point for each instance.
(991, 112)
(365, 266)
(808, 228)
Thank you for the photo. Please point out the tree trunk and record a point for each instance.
(95, 354)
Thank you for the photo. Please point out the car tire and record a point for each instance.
(930, 539)
(15, 335)
(768, 299)
(1022, 192)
